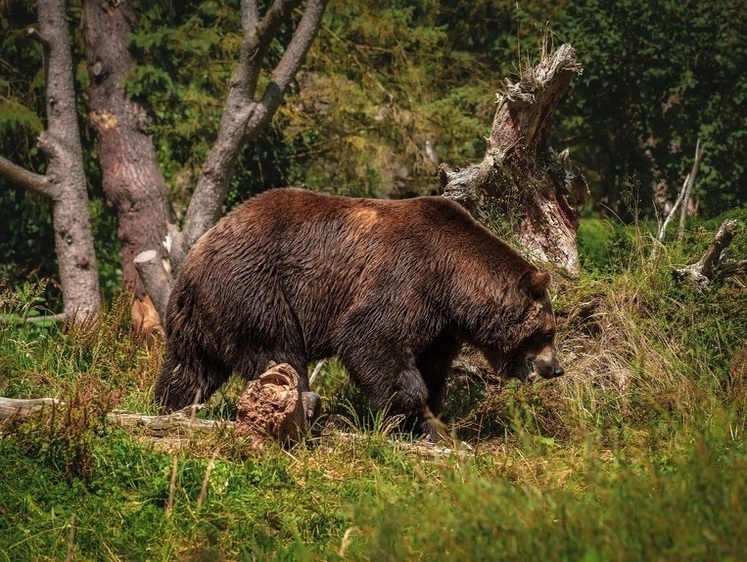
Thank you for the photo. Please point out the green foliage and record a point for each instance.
(658, 76)
(620, 510)
(380, 82)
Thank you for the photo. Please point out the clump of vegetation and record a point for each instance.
(637, 453)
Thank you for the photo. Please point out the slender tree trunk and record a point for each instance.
(64, 183)
(533, 189)
(132, 182)
(244, 116)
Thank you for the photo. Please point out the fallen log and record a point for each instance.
(10, 407)
(271, 408)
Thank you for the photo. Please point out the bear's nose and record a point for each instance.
(558, 372)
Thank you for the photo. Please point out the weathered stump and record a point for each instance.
(522, 181)
(712, 265)
(272, 408)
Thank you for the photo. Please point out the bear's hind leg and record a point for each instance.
(435, 366)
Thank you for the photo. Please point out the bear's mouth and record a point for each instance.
(528, 372)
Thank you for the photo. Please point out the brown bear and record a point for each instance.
(393, 288)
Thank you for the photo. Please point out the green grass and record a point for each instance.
(637, 454)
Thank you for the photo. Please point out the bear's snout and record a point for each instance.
(546, 364)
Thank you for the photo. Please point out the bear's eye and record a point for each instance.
(548, 335)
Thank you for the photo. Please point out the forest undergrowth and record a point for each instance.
(637, 453)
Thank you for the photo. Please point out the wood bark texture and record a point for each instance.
(271, 408)
(133, 184)
(522, 181)
(64, 183)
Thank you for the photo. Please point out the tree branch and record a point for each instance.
(35, 34)
(243, 118)
(663, 228)
(290, 63)
(258, 35)
(689, 183)
(32, 181)
(249, 16)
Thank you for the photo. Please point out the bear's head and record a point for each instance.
(526, 347)
(536, 353)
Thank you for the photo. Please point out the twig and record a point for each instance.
(172, 486)
(71, 539)
(206, 480)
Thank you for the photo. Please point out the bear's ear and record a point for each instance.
(536, 283)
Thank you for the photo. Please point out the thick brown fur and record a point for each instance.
(391, 287)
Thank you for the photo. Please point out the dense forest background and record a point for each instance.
(390, 90)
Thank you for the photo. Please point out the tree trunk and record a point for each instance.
(535, 190)
(152, 248)
(64, 183)
(133, 184)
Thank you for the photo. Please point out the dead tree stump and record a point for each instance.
(522, 181)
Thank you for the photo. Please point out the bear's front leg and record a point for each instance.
(392, 383)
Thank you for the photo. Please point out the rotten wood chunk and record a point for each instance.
(272, 408)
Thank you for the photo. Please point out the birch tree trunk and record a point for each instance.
(64, 183)
(522, 181)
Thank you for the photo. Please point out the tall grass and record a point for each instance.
(638, 453)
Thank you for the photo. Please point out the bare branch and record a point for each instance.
(32, 181)
(689, 187)
(258, 35)
(249, 16)
(273, 18)
(35, 34)
(243, 118)
(663, 228)
(292, 59)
